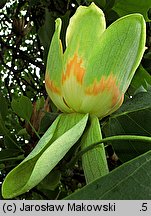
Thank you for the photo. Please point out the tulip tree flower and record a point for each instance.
(87, 82)
(98, 64)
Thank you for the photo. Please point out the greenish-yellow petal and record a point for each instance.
(72, 80)
(84, 31)
(56, 96)
(55, 57)
(119, 53)
(54, 69)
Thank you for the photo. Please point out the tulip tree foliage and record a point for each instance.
(87, 80)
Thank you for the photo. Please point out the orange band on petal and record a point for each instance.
(108, 84)
(50, 85)
(74, 67)
(96, 88)
(105, 84)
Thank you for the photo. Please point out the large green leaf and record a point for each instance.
(94, 162)
(51, 148)
(124, 7)
(131, 181)
(22, 107)
(133, 118)
(140, 81)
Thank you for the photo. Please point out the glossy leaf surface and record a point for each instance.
(131, 181)
(133, 118)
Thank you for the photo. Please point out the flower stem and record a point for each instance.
(94, 162)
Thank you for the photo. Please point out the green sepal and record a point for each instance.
(51, 148)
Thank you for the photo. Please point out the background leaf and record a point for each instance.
(131, 181)
(141, 80)
(8, 154)
(22, 107)
(47, 120)
(133, 118)
(124, 7)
